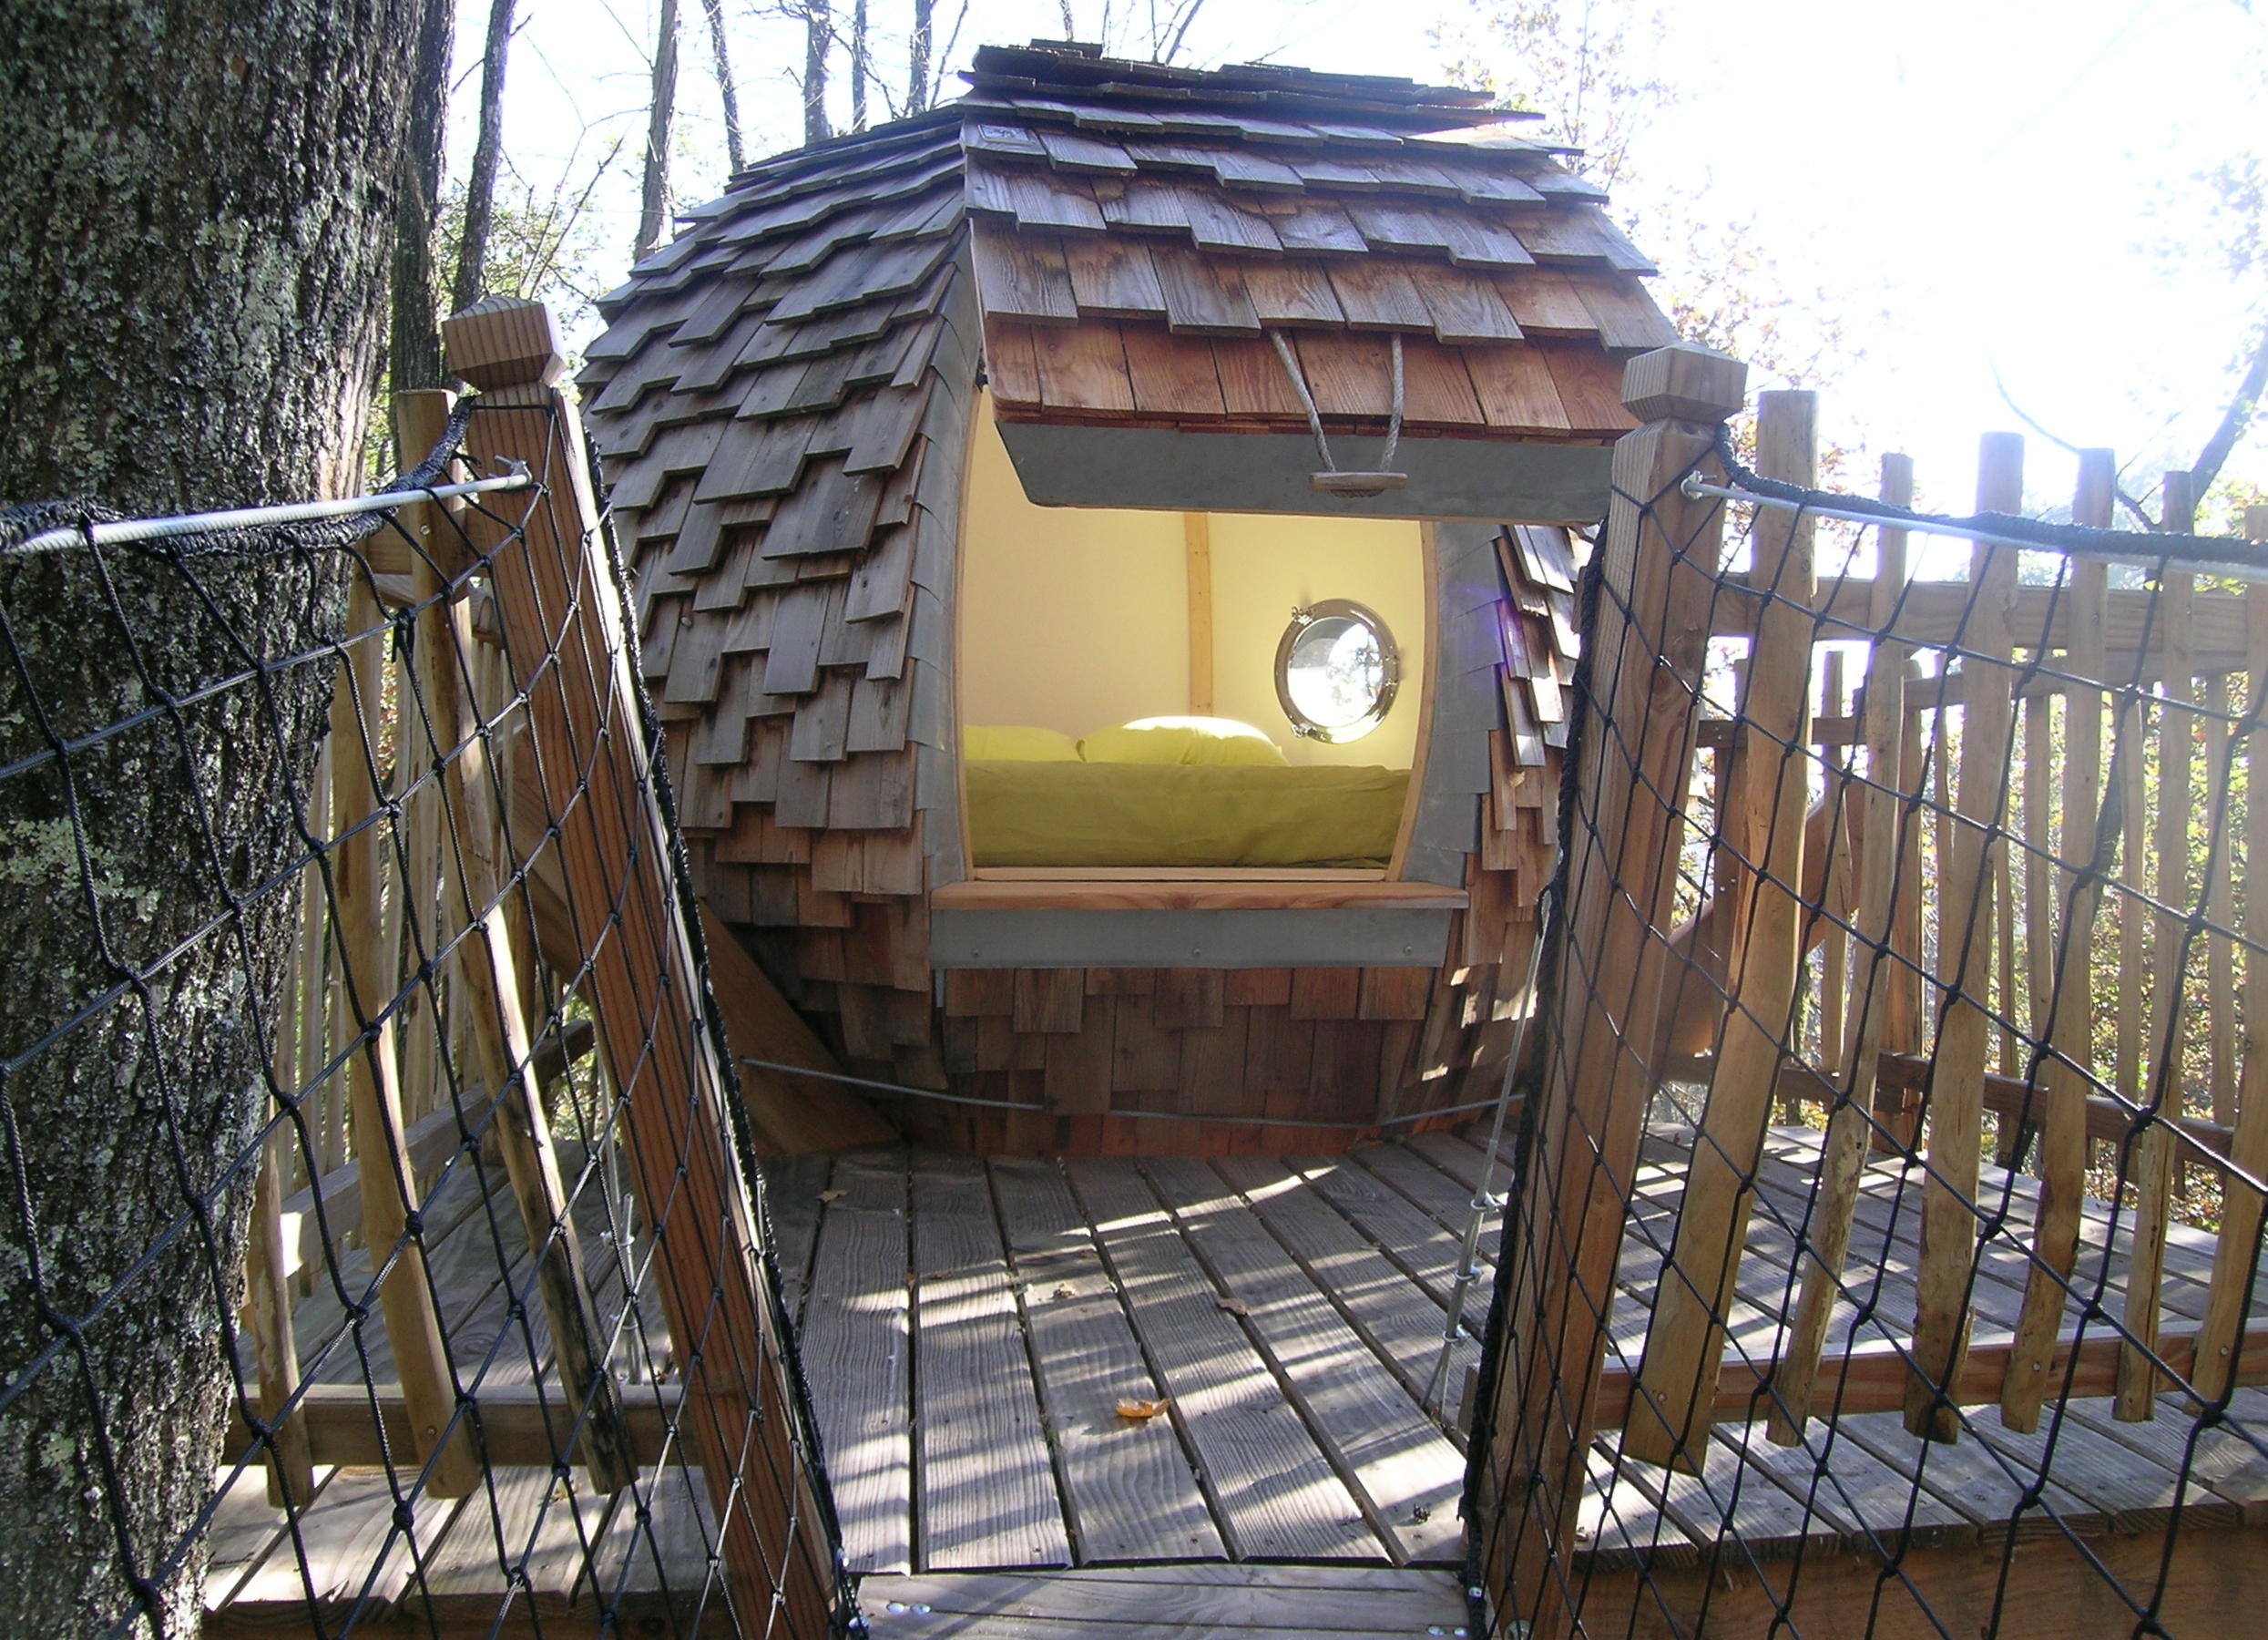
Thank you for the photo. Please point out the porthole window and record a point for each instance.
(1337, 670)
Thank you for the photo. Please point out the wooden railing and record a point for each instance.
(1885, 908)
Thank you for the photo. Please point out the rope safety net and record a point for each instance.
(382, 1240)
(1883, 1257)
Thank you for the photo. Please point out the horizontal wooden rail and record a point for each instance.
(1874, 1377)
(1899, 1075)
(1930, 613)
(515, 1428)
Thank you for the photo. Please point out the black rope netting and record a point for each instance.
(381, 1247)
(1889, 1219)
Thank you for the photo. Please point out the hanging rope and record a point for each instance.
(1332, 480)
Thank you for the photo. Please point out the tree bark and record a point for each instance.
(194, 236)
(480, 181)
(653, 210)
(733, 149)
(917, 49)
(818, 36)
(858, 64)
(413, 331)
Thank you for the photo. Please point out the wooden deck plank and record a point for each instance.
(1128, 1490)
(1433, 1193)
(1274, 1493)
(1422, 1250)
(988, 1494)
(856, 1341)
(1381, 1443)
(791, 1188)
(1398, 1320)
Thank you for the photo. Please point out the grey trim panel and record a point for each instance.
(1340, 938)
(1159, 467)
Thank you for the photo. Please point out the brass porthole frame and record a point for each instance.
(1390, 657)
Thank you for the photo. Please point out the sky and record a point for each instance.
(1975, 188)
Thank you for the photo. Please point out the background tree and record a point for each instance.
(480, 181)
(653, 209)
(721, 53)
(414, 333)
(817, 40)
(195, 233)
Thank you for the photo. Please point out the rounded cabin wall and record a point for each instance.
(1077, 619)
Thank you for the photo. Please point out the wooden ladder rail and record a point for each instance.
(1658, 562)
(1843, 1156)
(565, 635)
(2071, 1010)
(2228, 1296)
(1955, 1113)
(488, 970)
(1685, 1341)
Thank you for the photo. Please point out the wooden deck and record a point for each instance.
(969, 1328)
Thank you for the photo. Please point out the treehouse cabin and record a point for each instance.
(1101, 559)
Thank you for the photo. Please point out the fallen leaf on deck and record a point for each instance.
(1235, 1306)
(833, 1195)
(1138, 1412)
(1064, 1292)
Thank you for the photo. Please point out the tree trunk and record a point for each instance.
(653, 210)
(194, 236)
(414, 333)
(480, 182)
(917, 49)
(732, 144)
(858, 65)
(818, 36)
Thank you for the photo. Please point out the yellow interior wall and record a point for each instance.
(1076, 618)
(1264, 566)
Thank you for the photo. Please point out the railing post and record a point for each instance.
(567, 652)
(1640, 706)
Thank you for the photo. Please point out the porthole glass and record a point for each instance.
(1337, 670)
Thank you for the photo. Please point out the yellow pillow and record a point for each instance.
(1015, 743)
(1182, 740)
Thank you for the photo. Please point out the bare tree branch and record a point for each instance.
(2061, 443)
(2234, 420)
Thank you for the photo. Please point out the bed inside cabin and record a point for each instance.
(1165, 692)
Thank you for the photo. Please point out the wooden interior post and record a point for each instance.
(1902, 1004)
(1842, 1157)
(1956, 1090)
(2228, 1298)
(1197, 554)
(564, 631)
(490, 977)
(2152, 1168)
(1675, 1394)
(388, 1183)
(1657, 563)
(2070, 1008)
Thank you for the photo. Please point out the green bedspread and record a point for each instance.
(1082, 813)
